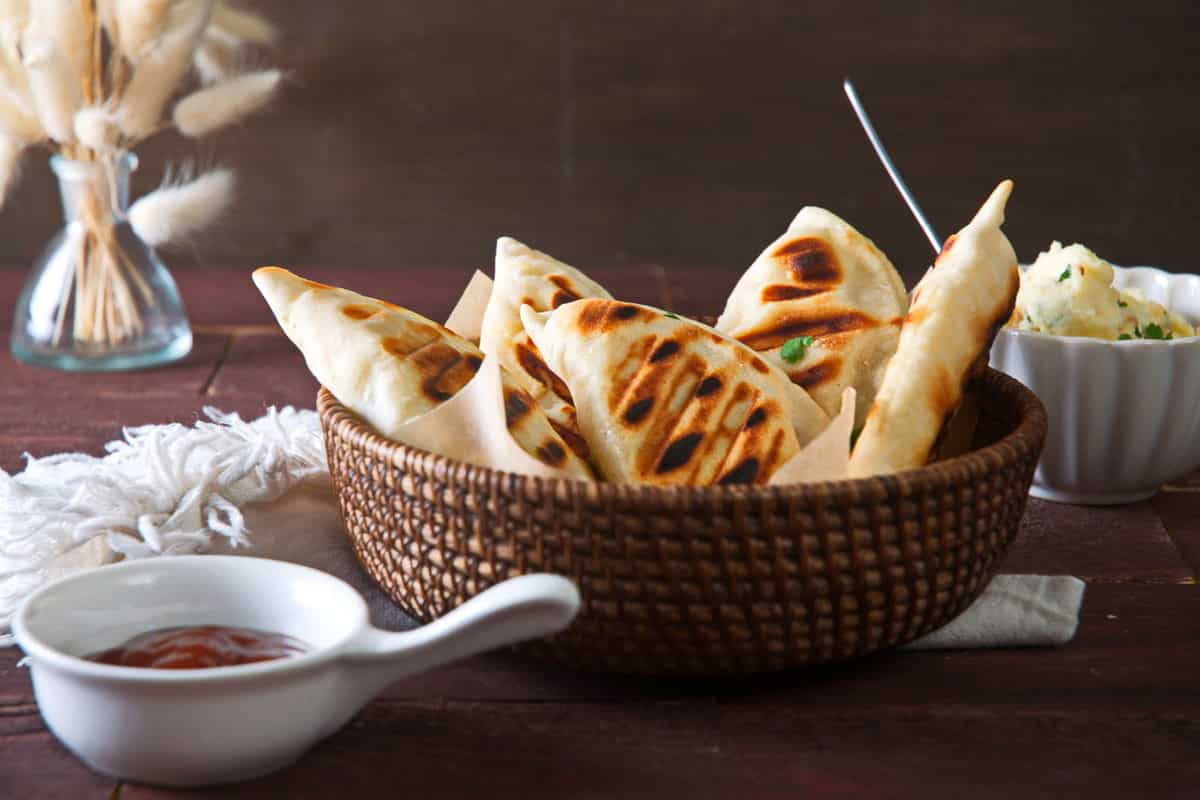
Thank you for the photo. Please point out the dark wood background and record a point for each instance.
(670, 132)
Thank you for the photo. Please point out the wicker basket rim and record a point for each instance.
(1024, 441)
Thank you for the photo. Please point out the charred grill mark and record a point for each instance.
(560, 298)
(915, 316)
(818, 374)
(774, 458)
(445, 370)
(811, 260)
(707, 386)
(565, 292)
(776, 335)
(679, 452)
(780, 291)
(397, 347)
(596, 316)
(744, 472)
(474, 362)
(516, 405)
(401, 348)
(531, 361)
(354, 311)
(638, 411)
(629, 373)
(665, 350)
(551, 453)
(759, 365)
(756, 418)
(591, 317)
(572, 438)
(672, 383)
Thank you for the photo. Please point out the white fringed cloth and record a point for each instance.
(262, 488)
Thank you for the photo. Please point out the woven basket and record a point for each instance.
(697, 581)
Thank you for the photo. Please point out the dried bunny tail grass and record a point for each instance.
(17, 120)
(177, 210)
(96, 127)
(238, 26)
(159, 73)
(63, 21)
(215, 60)
(139, 24)
(224, 103)
(10, 163)
(57, 94)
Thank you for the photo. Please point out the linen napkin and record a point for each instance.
(261, 488)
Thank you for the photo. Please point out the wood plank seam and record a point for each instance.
(1183, 556)
(1140, 581)
(220, 329)
(206, 388)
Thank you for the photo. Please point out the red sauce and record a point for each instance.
(200, 647)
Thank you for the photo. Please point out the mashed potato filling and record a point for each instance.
(1068, 291)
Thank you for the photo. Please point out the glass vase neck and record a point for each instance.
(99, 188)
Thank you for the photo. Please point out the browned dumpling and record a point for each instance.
(956, 310)
(834, 294)
(390, 365)
(667, 401)
(524, 276)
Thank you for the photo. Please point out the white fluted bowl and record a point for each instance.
(1124, 417)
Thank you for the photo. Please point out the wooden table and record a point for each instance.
(1114, 714)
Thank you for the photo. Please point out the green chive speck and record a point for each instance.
(794, 349)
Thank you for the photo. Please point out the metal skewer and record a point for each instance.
(892, 172)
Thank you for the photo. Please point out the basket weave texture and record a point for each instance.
(697, 581)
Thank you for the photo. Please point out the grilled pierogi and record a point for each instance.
(524, 276)
(390, 365)
(666, 401)
(824, 305)
(955, 312)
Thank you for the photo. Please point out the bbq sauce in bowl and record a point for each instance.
(200, 647)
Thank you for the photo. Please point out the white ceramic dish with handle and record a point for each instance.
(1124, 417)
(225, 724)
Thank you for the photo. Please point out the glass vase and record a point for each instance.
(99, 298)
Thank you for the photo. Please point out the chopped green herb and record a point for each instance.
(1153, 331)
(794, 349)
(854, 434)
(1122, 305)
(1124, 337)
(1066, 273)
(670, 315)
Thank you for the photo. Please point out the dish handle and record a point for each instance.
(519, 609)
